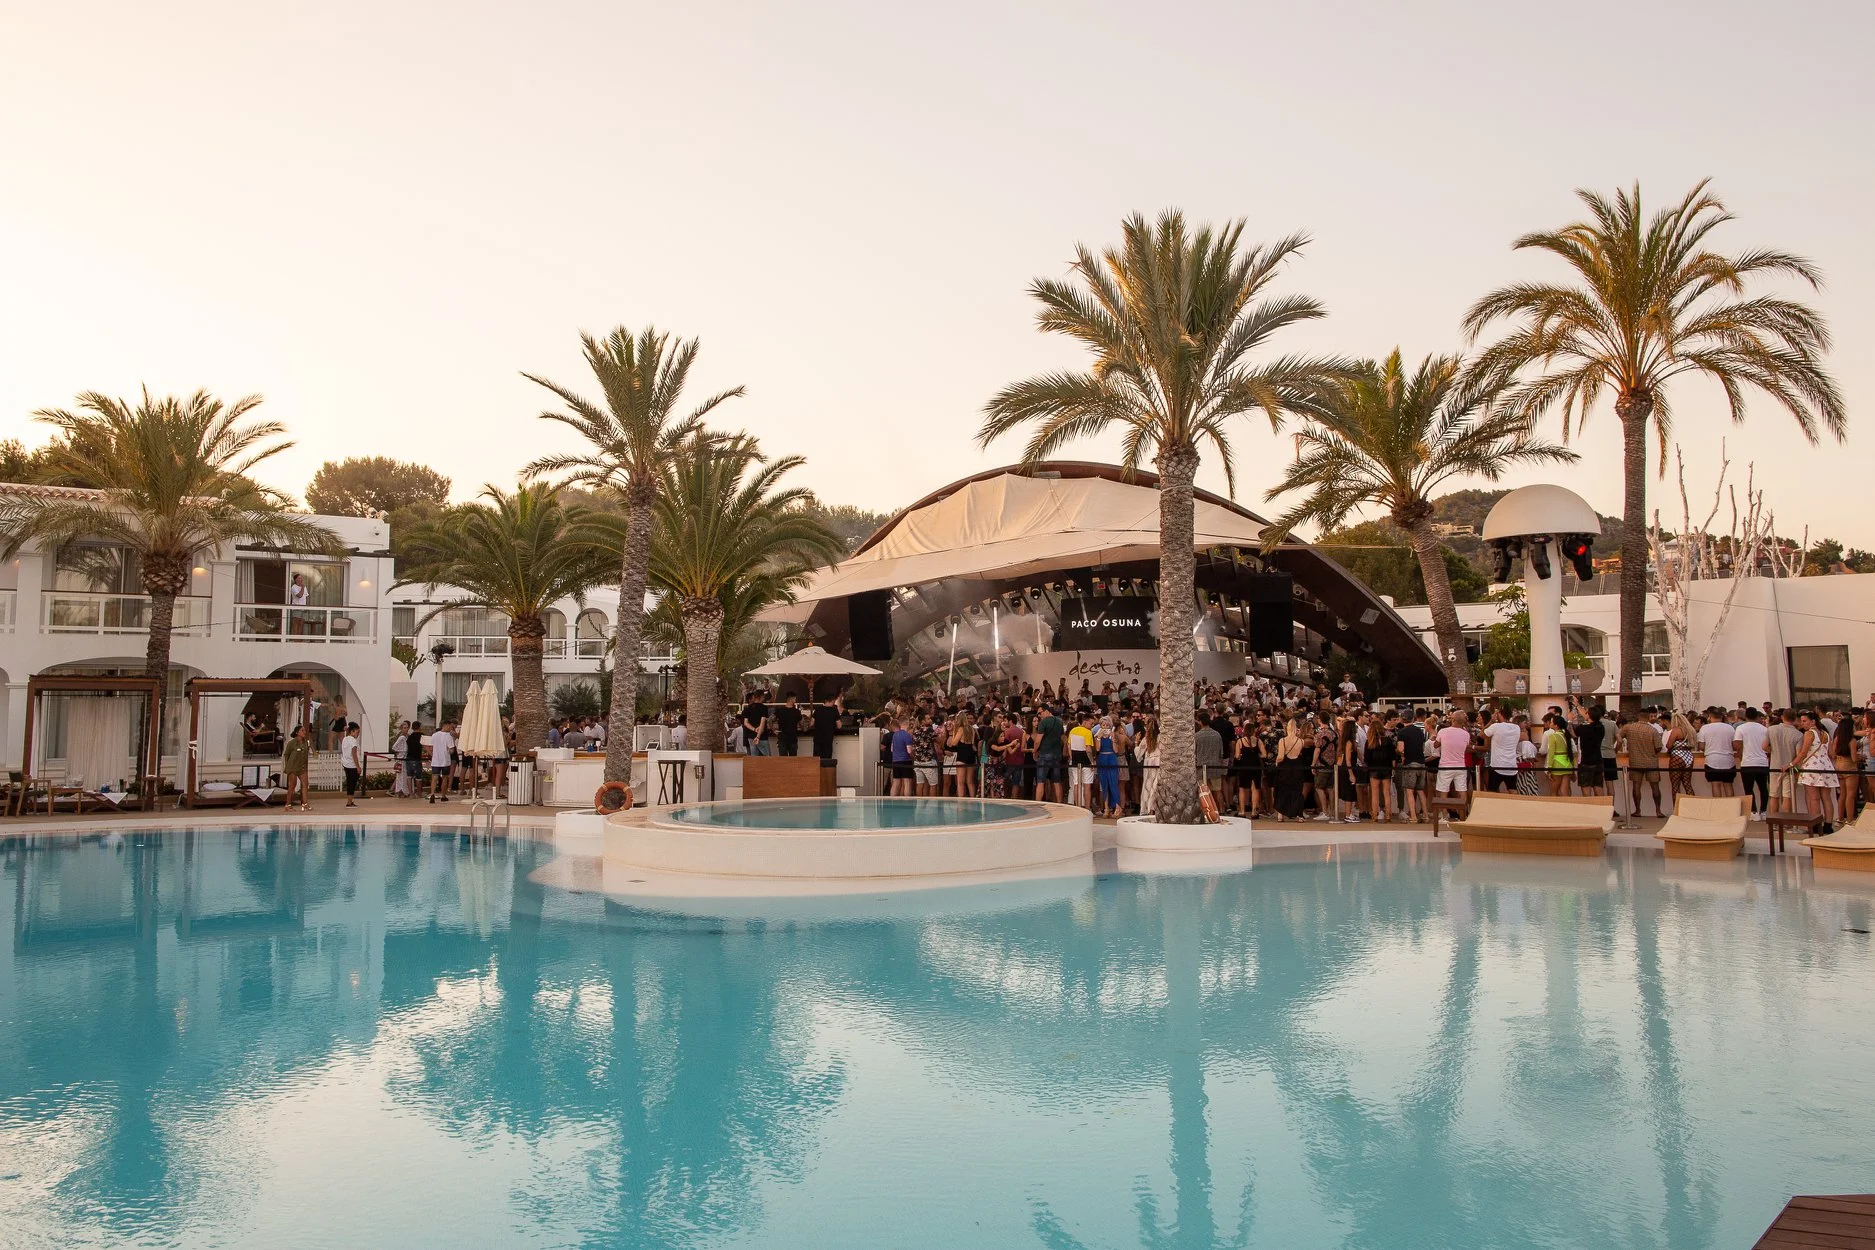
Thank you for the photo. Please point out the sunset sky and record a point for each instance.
(378, 214)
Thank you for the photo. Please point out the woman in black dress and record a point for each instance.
(1292, 771)
(1381, 749)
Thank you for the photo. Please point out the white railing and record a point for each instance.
(9, 609)
(469, 644)
(572, 648)
(257, 622)
(81, 612)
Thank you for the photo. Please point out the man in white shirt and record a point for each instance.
(1502, 737)
(680, 734)
(1719, 741)
(442, 761)
(350, 762)
(1751, 743)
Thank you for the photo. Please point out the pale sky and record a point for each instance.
(377, 214)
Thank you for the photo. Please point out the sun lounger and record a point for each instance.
(1705, 827)
(1517, 824)
(1851, 847)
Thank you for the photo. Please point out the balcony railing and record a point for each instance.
(255, 622)
(470, 644)
(9, 609)
(81, 612)
(572, 648)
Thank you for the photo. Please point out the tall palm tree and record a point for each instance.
(631, 434)
(518, 554)
(1171, 318)
(169, 478)
(1383, 438)
(1651, 302)
(728, 537)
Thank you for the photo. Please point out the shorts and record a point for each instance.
(351, 781)
(927, 774)
(1590, 774)
(1783, 785)
(1409, 777)
(901, 772)
(1451, 781)
(1048, 770)
(1721, 775)
(1494, 780)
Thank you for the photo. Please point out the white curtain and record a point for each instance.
(97, 741)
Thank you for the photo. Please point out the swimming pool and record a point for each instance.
(405, 1040)
(855, 814)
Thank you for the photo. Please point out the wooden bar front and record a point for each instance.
(785, 777)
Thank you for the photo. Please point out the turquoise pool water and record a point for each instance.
(854, 815)
(402, 1040)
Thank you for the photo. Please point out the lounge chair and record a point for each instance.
(1518, 824)
(1851, 847)
(1705, 827)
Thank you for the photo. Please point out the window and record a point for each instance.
(271, 581)
(456, 690)
(1819, 676)
(591, 630)
(91, 568)
(404, 622)
(555, 621)
(472, 622)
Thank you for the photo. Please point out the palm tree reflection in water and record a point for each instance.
(662, 1074)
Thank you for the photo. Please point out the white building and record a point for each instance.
(81, 611)
(1788, 640)
(576, 650)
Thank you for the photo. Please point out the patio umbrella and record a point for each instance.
(471, 707)
(481, 732)
(812, 662)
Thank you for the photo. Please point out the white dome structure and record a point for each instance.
(1540, 509)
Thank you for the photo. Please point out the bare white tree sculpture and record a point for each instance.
(1748, 548)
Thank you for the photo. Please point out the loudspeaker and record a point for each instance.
(869, 620)
(1271, 600)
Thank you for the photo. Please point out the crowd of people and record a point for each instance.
(1290, 752)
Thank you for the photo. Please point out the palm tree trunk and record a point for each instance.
(530, 684)
(1444, 611)
(1634, 408)
(1177, 796)
(164, 577)
(703, 706)
(628, 633)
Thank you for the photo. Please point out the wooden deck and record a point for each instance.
(1826, 1222)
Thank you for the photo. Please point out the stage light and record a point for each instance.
(1576, 549)
(1539, 558)
(1504, 553)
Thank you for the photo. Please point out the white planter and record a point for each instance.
(1138, 833)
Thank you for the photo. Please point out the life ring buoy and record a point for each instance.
(613, 796)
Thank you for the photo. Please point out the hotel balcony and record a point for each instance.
(268, 623)
(85, 612)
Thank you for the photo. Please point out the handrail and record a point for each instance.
(275, 622)
(96, 612)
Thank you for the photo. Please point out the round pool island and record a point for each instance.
(849, 839)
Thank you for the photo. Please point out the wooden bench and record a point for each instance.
(1517, 824)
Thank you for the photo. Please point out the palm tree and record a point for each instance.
(1652, 302)
(728, 538)
(1382, 438)
(517, 554)
(1171, 319)
(631, 434)
(168, 478)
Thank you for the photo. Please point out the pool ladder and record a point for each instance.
(479, 806)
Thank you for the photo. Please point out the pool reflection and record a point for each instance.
(1371, 1054)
